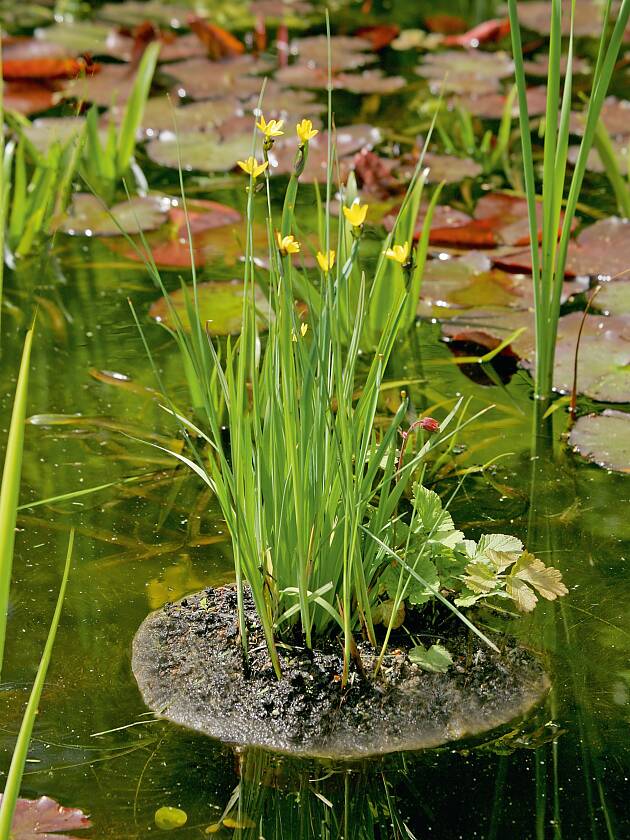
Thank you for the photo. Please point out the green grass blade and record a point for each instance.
(10, 487)
(134, 109)
(20, 753)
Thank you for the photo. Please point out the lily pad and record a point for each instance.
(538, 66)
(111, 85)
(348, 139)
(467, 71)
(600, 250)
(604, 439)
(603, 361)
(490, 106)
(87, 216)
(36, 819)
(132, 12)
(163, 114)
(449, 168)
(168, 818)
(615, 115)
(201, 150)
(29, 97)
(220, 307)
(614, 297)
(46, 131)
(348, 53)
(200, 78)
(77, 37)
(587, 21)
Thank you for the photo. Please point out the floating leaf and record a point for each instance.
(88, 216)
(220, 307)
(466, 71)
(614, 297)
(348, 53)
(199, 78)
(162, 114)
(201, 150)
(524, 597)
(586, 23)
(37, 819)
(604, 439)
(539, 66)
(615, 115)
(28, 97)
(112, 84)
(46, 131)
(348, 140)
(167, 818)
(490, 106)
(436, 659)
(483, 33)
(449, 168)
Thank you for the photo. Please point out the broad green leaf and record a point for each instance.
(383, 612)
(500, 542)
(546, 580)
(416, 592)
(481, 578)
(436, 659)
(167, 818)
(524, 597)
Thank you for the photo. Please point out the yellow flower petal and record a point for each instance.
(273, 128)
(398, 253)
(326, 261)
(287, 244)
(252, 167)
(356, 213)
(305, 131)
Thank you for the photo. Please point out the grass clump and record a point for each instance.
(331, 526)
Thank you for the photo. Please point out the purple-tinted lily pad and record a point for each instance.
(466, 71)
(604, 357)
(88, 216)
(600, 250)
(490, 106)
(538, 66)
(200, 78)
(201, 150)
(220, 307)
(162, 113)
(604, 439)
(587, 21)
(41, 819)
(615, 115)
(316, 78)
(112, 84)
(621, 151)
(348, 139)
(614, 297)
(348, 53)
(449, 168)
(490, 326)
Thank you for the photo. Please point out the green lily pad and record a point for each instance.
(604, 439)
(614, 297)
(79, 36)
(201, 150)
(167, 818)
(88, 216)
(44, 132)
(162, 114)
(132, 13)
(220, 307)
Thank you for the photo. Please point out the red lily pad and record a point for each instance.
(445, 24)
(220, 307)
(379, 35)
(41, 819)
(483, 33)
(604, 439)
(29, 97)
(88, 216)
(217, 234)
(600, 250)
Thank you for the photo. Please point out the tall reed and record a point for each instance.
(549, 263)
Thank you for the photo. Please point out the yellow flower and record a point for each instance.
(399, 253)
(303, 329)
(273, 128)
(326, 261)
(356, 214)
(287, 244)
(305, 131)
(252, 167)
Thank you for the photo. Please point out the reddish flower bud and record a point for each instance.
(429, 424)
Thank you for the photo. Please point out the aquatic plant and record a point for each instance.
(10, 487)
(548, 264)
(331, 527)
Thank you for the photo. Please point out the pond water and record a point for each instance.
(563, 773)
